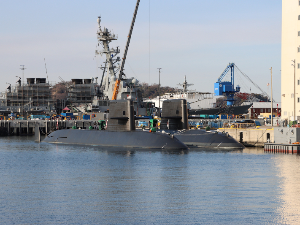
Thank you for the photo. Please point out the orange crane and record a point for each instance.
(117, 84)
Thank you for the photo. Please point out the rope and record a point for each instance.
(260, 137)
(263, 92)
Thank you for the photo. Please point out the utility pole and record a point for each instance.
(159, 89)
(22, 68)
(294, 64)
(271, 100)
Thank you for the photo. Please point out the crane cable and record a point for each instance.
(263, 92)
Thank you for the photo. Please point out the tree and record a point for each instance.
(151, 91)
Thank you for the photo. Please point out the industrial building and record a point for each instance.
(34, 94)
(290, 60)
(264, 108)
(30, 98)
(82, 91)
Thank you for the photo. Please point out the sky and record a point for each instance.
(196, 38)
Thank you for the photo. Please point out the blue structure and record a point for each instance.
(86, 117)
(226, 87)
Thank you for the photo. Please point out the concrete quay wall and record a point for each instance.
(27, 127)
(250, 136)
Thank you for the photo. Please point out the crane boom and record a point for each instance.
(116, 88)
(230, 66)
(128, 39)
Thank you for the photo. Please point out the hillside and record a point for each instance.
(151, 91)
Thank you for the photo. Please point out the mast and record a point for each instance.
(104, 38)
(185, 85)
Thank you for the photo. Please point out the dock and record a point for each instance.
(287, 140)
(282, 148)
(251, 137)
(27, 127)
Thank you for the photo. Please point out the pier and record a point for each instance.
(282, 148)
(251, 137)
(27, 127)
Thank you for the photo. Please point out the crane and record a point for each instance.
(226, 87)
(117, 84)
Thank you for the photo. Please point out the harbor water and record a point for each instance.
(62, 184)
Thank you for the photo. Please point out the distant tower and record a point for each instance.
(290, 60)
(185, 85)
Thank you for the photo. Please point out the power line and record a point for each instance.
(149, 41)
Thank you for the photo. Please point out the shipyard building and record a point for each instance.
(30, 98)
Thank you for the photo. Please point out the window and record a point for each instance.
(123, 113)
(261, 110)
(298, 65)
(298, 33)
(285, 113)
(269, 110)
(298, 82)
(298, 47)
(292, 95)
(298, 99)
(299, 17)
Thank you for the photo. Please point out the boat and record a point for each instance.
(207, 139)
(114, 84)
(118, 132)
(200, 103)
(174, 121)
(229, 110)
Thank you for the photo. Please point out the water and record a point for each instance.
(55, 184)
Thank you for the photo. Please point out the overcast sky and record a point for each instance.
(196, 38)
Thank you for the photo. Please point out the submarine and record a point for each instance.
(174, 121)
(119, 132)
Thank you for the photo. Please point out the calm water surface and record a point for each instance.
(56, 184)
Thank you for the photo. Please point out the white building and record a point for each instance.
(195, 100)
(290, 59)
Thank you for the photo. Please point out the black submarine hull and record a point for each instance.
(207, 139)
(127, 139)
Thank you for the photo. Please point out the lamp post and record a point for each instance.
(159, 89)
(22, 83)
(271, 100)
(294, 64)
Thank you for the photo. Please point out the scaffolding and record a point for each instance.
(82, 91)
(36, 93)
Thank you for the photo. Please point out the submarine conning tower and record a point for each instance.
(121, 116)
(174, 115)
